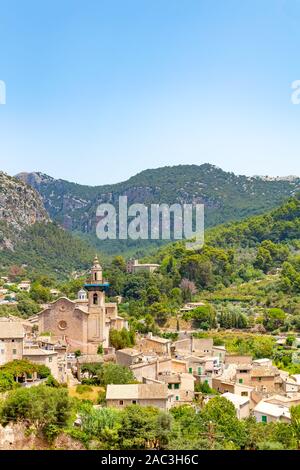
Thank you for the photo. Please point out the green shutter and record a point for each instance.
(240, 381)
(264, 419)
(190, 370)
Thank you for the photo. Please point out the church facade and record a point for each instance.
(84, 323)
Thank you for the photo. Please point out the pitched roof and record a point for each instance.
(129, 351)
(237, 400)
(272, 409)
(158, 339)
(153, 391)
(38, 352)
(11, 329)
(263, 371)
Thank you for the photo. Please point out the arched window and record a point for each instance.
(95, 299)
(95, 276)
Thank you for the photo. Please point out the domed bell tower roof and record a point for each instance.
(96, 280)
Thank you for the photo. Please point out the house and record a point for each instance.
(262, 362)
(43, 357)
(133, 267)
(219, 351)
(290, 385)
(11, 340)
(266, 379)
(24, 286)
(243, 373)
(191, 306)
(153, 367)
(50, 343)
(204, 368)
(284, 400)
(182, 385)
(154, 394)
(155, 344)
(191, 345)
(237, 359)
(296, 378)
(265, 412)
(224, 386)
(241, 404)
(128, 356)
(54, 292)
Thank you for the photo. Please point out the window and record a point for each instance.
(12, 340)
(134, 402)
(50, 359)
(242, 371)
(169, 386)
(95, 276)
(177, 397)
(244, 394)
(121, 402)
(62, 325)
(199, 371)
(95, 299)
(176, 386)
(14, 352)
(264, 419)
(240, 381)
(190, 370)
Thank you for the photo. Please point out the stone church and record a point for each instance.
(83, 323)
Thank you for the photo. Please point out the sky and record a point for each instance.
(99, 90)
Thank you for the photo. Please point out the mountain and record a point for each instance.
(226, 196)
(239, 252)
(29, 237)
(20, 207)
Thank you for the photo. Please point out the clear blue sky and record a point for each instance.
(99, 90)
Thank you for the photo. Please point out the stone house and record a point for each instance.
(265, 412)
(11, 340)
(155, 345)
(195, 346)
(241, 404)
(43, 357)
(128, 356)
(266, 379)
(182, 386)
(154, 394)
(133, 267)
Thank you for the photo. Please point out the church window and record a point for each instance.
(95, 276)
(95, 299)
(62, 325)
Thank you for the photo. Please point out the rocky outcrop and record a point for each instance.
(20, 207)
(16, 436)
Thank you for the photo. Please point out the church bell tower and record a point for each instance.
(96, 287)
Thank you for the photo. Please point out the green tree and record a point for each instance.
(116, 374)
(40, 406)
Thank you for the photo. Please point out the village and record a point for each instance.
(67, 335)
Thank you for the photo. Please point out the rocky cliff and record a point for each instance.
(20, 207)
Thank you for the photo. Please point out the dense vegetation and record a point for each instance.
(47, 248)
(225, 195)
(213, 426)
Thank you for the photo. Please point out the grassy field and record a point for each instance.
(91, 394)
